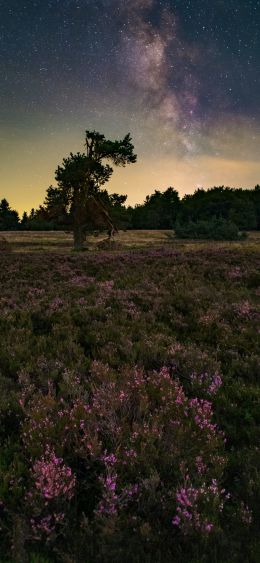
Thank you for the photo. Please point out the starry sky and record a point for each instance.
(183, 76)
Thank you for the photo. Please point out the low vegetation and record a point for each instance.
(215, 229)
(129, 406)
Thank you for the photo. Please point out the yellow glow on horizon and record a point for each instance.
(28, 169)
(184, 175)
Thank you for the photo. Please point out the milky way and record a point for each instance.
(182, 76)
(154, 55)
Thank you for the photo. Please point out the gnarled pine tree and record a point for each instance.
(80, 178)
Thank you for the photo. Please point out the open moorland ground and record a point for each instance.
(59, 241)
(129, 401)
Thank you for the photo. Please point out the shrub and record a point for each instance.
(139, 457)
(215, 229)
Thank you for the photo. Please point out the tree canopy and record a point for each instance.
(79, 181)
(160, 210)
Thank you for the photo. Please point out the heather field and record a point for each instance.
(129, 401)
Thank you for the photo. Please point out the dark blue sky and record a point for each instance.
(187, 70)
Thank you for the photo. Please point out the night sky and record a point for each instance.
(183, 76)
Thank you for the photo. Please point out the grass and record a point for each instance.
(59, 241)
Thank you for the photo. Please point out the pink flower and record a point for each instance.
(52, 477)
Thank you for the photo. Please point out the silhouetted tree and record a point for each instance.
(159, 210)
(9, 218)
(80, 178)
(56, 207)
(235, 205)
(24, 224)
(255, 197)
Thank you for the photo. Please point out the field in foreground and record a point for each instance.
(128, 405)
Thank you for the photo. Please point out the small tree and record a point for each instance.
(24, 224)
(80, 178)
(9, 218)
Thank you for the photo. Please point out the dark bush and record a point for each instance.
(215, 229)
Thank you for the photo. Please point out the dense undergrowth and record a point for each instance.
(128, 407)
(215, 229)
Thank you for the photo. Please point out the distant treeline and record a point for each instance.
(161, 210)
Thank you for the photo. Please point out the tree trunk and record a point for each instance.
(79, 237)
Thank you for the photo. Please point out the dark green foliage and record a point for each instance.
(9, 219)
(38, 220)
(163, 210)
(256, 203)
(80, 178)
(159, 211)
(24, 223)
(236, 205)
(115, 204)
(214, 229)
(97, 210)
